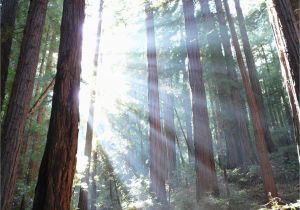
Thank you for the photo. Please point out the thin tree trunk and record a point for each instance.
(206, 179)
(14, 123)
(169, 127)
(54, 185)
(266, 169)
(254, 77)
(93, 184)
(238, 104)
(8, 19)
(157, 148)
(287, 44)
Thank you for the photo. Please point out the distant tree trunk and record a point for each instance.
(8, 19)
(238, 105)
(226, 124)
(287, 43)
(206, 179)
(54, 185)
(169, 128)
(188, 118)
(266, 169)
(14, 123)
(157, 150)
(82, 203)
(254, 77)
(90, 123)
(93, 185)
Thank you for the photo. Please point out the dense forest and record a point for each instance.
(150, 104)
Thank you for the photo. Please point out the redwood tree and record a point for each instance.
(157, 166)
(54, 185)
(266, 169)
(254, 77)
(14, 123)
(8, 19)
(238, 104)
(287, 43)
(206, 179)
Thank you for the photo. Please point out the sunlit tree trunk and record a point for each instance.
(90, 123)
(206, 179)
(54, 185)
(14, 123)
(254, 77)
(169, 128)
(238, 105)
(157, 166)
(8, 19)
(287, 44)
(266, 169)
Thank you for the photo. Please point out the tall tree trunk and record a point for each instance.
(266, 169)
(93, 185)
(169, 128)
(238, 108)
(8, 19)
(157, 148)
(288, 47)
(14, 123)
(90, 124)
(206, 179)
(227, 124)
(54, 185)
(254, 77)
(188, 117)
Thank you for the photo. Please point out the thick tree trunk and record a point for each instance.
(157, 148)
(238, 108)
(287, 43)
(254, 77)
(13, 127)
(266, 169)
(8, 19)
(54, 186)
(206, 179)
(227, 122)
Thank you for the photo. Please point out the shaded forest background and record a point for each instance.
(182, 104)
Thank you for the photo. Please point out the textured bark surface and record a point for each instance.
(253, 75)
(266, 169)
(14, 123)
(54, 185)
(157, 147)
(288, 48)
(238, 107)
(8, 18)
(206, 179)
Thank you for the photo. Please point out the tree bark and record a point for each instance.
(287, 44)
(266, 169)
(254, 77)
(238, 108)
(206, 179)
(14, 123)
(54, 185)
(157, 148)
(8, 19)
